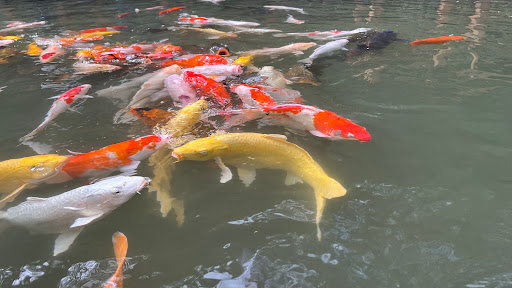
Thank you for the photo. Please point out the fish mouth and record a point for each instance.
(177, 156)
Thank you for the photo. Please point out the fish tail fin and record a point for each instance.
(328, 189)
(28, 136)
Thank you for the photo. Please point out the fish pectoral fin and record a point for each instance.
(129, 169)
(277, 136)
(247, 175)
(35, 199)
(292, 179)
(318, 133)
(65, 240)
(87, 96)
(85, 220)
(225, 173)
(12, 196)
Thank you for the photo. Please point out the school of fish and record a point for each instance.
(193, 98)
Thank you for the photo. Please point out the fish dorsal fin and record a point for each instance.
(85, 220)
(276, 136)
(36, 199)
(225, 173)
(247, 175)
(65, 240)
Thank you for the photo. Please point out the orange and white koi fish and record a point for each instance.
(120, 243)
(318, 122)
(280, 95)
(124, 157)
(49, 54)
(253, 97)
(292, 20)
(199, 60)
(208, 88)
(103, 29)
(437, 40)
(295, 48)
(60, 105)
(171, 10)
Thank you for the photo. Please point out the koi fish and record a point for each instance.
(72, 40)
(53, 51)
(19, 174)
(171, 10)
(33, 49)
(316, 121)
(437, 40)
(125, 157)
(217, 70)
(326, 49)
(270, 7)
(6, 42)
(300, 74)
(214, 21)
(208, 88)
(60, 105)
(325, 35)
(214, 34)
(102, 29)
(242, 29)
(21, 25)
(68, 213)
(90, 68)
(152, 117)
(292, 20)
(120, 243)
(251, 151)
(253, 97)
(295, 48)
(11, 37)
(123, 15)
(199, 60)
(149, 9)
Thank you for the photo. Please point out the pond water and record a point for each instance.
(428, 200)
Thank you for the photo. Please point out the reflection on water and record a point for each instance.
(428, 202)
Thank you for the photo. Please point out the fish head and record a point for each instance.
(338, 127)
(35, 169)
(114, 191)
(201, 149)
(142, 147)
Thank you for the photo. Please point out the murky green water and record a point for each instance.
(428, 201)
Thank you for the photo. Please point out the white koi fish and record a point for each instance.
(325, 49)
(60, 105)
(300, 10)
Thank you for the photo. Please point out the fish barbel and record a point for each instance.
(68, 213)
(251, 151)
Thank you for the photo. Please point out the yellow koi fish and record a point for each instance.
(17, 174)
(10, 37)
(33, 49)
(162, 161)
(251, 151)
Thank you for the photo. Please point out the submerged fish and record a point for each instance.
(68, 213)
(437, 40)
(120, 243)
(292, 20)
(300, 74)
(251, 151)
(270, 7)
(60, 105)
(21, 173)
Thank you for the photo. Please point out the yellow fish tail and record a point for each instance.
(328, 189)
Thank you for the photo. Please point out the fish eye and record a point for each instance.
(35, 166)
(116, 191)
(152, 144)
(203, 152)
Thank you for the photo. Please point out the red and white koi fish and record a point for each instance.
(280, 95)
(21, 25)
(252, 97)
(60, 105)
(170, 10)
(103, 29)
(208, 88)
(319, 122)
(53, 51)
(124, 157)
(292, 20)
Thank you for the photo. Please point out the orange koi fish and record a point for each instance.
(124, 156)
(72, 40)
(436, 40)
(199, 60)
(171, 10)
(120, 243)
(124, 15)
(33, 49)
(208, 88)
(152, 117)
(318, 122)
(103, 29)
